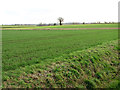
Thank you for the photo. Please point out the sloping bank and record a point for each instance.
(97, 67)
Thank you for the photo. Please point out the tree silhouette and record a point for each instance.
(60, 19)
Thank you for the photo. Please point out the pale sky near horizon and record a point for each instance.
(47, 11)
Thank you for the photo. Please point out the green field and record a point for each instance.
(25, 52)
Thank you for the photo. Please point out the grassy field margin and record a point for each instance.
(96, 67)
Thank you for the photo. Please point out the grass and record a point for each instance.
(61, 58)
(68, 71)
(31, 47)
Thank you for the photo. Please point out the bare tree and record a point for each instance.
(60, 19)
(83, 22)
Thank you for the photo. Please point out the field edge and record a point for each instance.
(102, 61)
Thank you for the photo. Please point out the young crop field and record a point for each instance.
(60, 58)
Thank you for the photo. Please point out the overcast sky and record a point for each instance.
(47, 11)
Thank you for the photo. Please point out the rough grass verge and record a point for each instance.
(97, 67)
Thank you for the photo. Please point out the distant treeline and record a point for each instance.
(54, 24)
